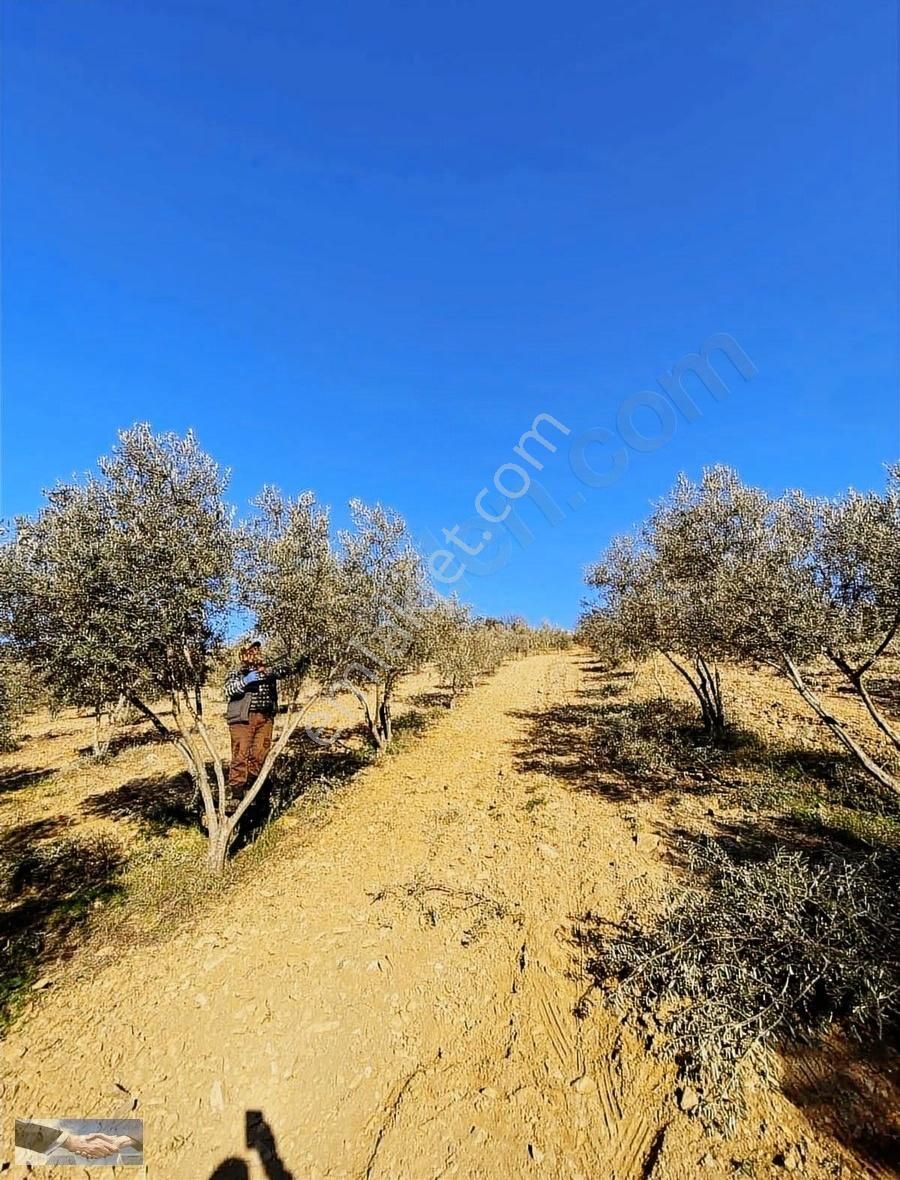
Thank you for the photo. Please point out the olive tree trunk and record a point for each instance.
(837, 727)
(205, 764)
(706, 686)
(855, 674)
(106, 722)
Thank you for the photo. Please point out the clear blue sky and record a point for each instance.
(359, 246)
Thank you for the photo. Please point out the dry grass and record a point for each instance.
(96, 850)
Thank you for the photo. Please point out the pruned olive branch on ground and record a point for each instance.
(757, 955)
(464, 900)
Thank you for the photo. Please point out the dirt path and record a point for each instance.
(396, 997)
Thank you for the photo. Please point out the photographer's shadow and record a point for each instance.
(261, 1139)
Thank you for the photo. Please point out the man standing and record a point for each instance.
(252, 693)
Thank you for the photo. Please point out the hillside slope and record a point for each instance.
(393, 996)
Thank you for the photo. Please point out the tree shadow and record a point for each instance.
(259, 1137)
(49, 887)
(622, 751)
(435, 699)
(158, 802)
(413, 721)
(17, 841)
(836, 775)
(303, 768)
(14, 778)
(592, 667)
(632, 751)
(601, 692)
(128, 739)
(756, 840)
(851, 1094)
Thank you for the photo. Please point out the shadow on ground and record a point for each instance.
(128, 739)
(632, 751)
(14, 778)
(854, 1095)
(884, 691)
(438, 698)
(49, 884)
(16, 842)
(158, 802)
(260, 1139)
(303, 769)
(624, 751)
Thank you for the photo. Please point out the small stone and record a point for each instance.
(201, 1000)
(688, 1099)
(708, 1161)
(489, 1092)
(535, 1152)
(584, 1085)
(647, 842)
(216, 1097)
(790, 1160)
(548, 851)
(42, 984)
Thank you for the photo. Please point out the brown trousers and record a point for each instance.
(250, 742)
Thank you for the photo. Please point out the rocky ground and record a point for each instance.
(391, 993)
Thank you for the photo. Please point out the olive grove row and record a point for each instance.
(120, 592)
(725, 572)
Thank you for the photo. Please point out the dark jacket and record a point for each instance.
(259, 697)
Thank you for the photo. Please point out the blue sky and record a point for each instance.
(360, 246)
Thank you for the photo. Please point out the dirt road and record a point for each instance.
(394, 997)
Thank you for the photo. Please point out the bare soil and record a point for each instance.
(391, 993)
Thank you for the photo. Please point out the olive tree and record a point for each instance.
(854, 556)
(289, 580)
(60, 598)
(655, 594)
(465, 647)
(120, 587)
(385, 585)
(723, 570)
(546, 638)
(598, 630)
(451, 649)
(818, 578)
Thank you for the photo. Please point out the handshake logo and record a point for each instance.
(79, 1141)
